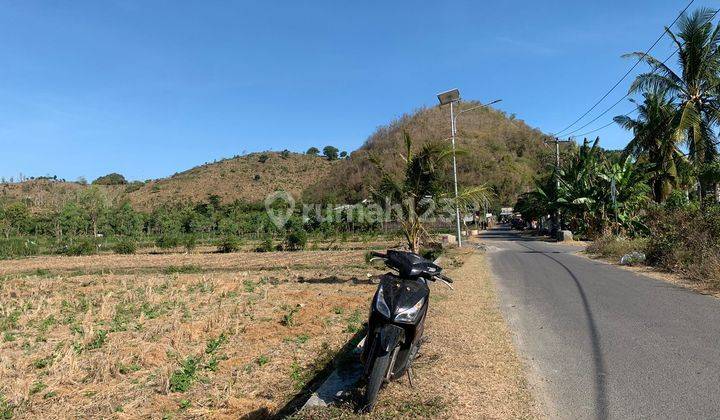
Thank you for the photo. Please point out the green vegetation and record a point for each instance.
(288, 319)
(91, 225)
(125, 246)
(667, 204)
(313, 151)
(581, 191)
(182, 378)
(686, 238)
(423, 180)
(80, 246)
(229, 243)
(97, 341)
(6, 408)
(692, 90)
(331, 152)
(111, 179)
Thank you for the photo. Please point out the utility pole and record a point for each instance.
(557, 141)
(613, 194)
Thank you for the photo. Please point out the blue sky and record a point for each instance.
(147, 88)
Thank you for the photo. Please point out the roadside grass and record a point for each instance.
(611, 246)
(701, 274)
(175, 335)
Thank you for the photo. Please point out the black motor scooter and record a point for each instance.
(397, 319)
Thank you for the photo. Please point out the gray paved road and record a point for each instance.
(603, 342)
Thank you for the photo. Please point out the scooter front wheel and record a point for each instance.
(375, 380)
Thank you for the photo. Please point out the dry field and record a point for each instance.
(235, 335)
(173, 335)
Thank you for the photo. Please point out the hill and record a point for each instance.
(48, 194)
(502, 151)
(248, 178)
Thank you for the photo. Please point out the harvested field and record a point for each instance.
(172, 335)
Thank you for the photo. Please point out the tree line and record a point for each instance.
(90, 214)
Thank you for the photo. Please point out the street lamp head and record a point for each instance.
(452, 95)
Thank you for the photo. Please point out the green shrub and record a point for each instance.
(125, 246)
(98, 340)
(6, 408)
(229, 243)
(431, 251)
(111, 179)
(81, 246)
(265, 246)
(166, 241)
(295, 240)
(685, 238)
(182, 378)
(18, 247)
(190, 242)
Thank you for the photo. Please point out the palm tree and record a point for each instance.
(414, 197)
(696, 86)
(654, 141)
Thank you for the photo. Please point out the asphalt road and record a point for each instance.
(604, 342)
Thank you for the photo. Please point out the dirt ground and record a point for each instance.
(173, 335)
(468, 367)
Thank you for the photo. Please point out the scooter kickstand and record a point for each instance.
(410, 377)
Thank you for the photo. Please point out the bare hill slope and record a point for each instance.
(502, 151)
(249, 178)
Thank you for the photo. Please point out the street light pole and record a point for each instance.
(457, 205)
(451, 97)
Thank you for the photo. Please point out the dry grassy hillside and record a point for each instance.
(50, 194)
(501, 151)
(246, 178)
(249, 178)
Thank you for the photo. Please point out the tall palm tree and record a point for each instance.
(696, 86)
(654, 141)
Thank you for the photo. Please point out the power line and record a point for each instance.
(626, 73)
(627, 94)
(604, 126)
(618, 101)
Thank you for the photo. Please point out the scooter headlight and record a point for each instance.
(380, 304)
(409, 315)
